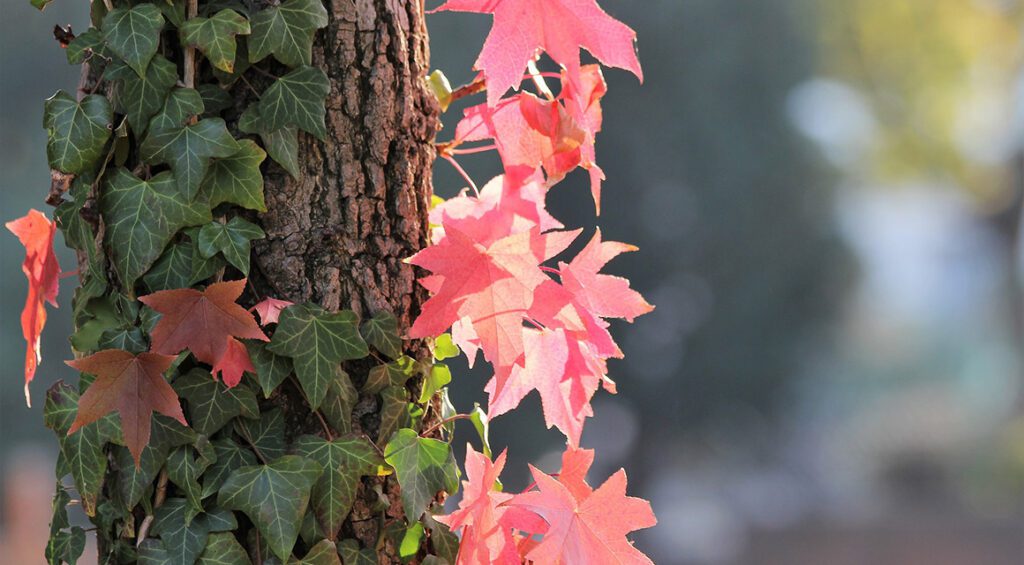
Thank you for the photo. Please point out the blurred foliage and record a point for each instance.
(939, 76)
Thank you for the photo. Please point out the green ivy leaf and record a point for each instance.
(445, 348)
(424, 467)
(128, 339)
(202, 268)
(188, 149)
(389, 374)
(323, 553)
(410, 542)
(231, 240)
(344, 460)
(76, 131)
(84, 45)
(438, 377)
(215, 98)
(481, 423)
(182, 539)
(132, 481)
(237, 179)
(211, 405)
(381, 331)
(183, 470)
(286, 31)
(317, 341)
(181, 105)
(223, 549)
(393, 412)
(172, 270)
(142, 217)
(139, 98)
(229, 456)
(134, 34)
(215, 36)
(443, 542)
(271, 370)
(297, 99)
(65, 547)
(266, 435)
(337, 405)
(352, 555)
(282, 145)
(274, 496)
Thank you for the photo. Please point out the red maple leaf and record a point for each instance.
(269, 310)
(582, 100)
(36, 232)
(603, 295)
(583, 525)
(233, 363)
(201, 321)
(485, 539)
(559, 27)
(132, 385)
(491, 285)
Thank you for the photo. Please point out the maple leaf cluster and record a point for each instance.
(579, 524)
(541, 326)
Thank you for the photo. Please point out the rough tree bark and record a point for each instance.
(338, 235)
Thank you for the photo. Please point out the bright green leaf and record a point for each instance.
(438, 377)
(445, 348)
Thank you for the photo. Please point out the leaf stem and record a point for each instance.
(447, 420)
(475, 87)
(472, 150)
(462, 172)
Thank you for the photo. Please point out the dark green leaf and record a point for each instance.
(323, 553)
(211, 405)
(223, 549)
(286, 31)
(76, 131)
(337, 405)
(282, 145)
(142, 217)
(381, 331)
(317, 341)
(389, 374)
(393, 412)
(181, 105)
(187, 150)
(297, 99)
(424, 467)
(274, 496)
(132, 481)
(139, 98)
(232, 240)
(128, 339)
(237, 179)
(215, 98)
(271, 370)
(65, 546)
(183, 470)
(172, 270)
(84, 45)
(352, 555)
(229, 457)
(345, 461)
(134, 34)
(266, 434)
(215, 36)
(183, 539)
(443, 542)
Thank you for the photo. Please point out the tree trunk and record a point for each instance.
(337, 236)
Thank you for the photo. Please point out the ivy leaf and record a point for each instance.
(211, 405)
(230, 239)
(172, 270)
(215, 98)
(445, 348)
(287, 31)
(266, 434)
(142, 97)
(229, 456)
(274, 496)
(134, 34)
(297, 99)
(381, 331)
(271, 370)
(389, 374)
(84, 45)
(187, 150)
(237, 179)
(352, 555)
(424, 467)
(393, 411)
(183, 539)
(438, 377)
(132, 385)
(344, 460)
(223, 549)
(76, 131)
(181, 105)
(183, 470)
(317, 341)
(65, 547)
(142, 217)
(337, 406)
(133, 481)
(323, 553)
(215, 36)
(201, 321)
(282, 145)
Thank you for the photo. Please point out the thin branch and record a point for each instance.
(462, 172)
(475, 87)
(447, 420)
(158, 500)
(191, 11)
(472, 150)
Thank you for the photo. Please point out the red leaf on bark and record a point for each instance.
(201, 321)
(36, 232)
(269, 310)
(233, 363)
(132, 385)
(583, 525)
(559, 27)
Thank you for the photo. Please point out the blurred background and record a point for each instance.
(827, 196)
